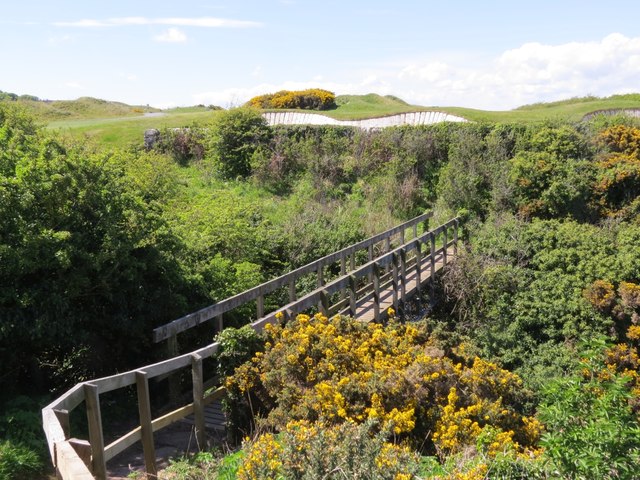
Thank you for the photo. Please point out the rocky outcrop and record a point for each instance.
(151, 137)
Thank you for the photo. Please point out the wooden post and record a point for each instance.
(94, 418)
(292, 291)
(387, 249)
(320, 274)
(445, 241)
(415, 230)
(353, 285)
(144, 410)
(324, 303)
(370, 258)
(174, 378)
(343, 272)
(432, 247)
(455, 237)
(376, 292)
(352, 260)
(63, 418)
(219, 323)
(402, 237)
(419, 266)
(260, 306)
(394, 281)
(403, 275)
(198, 395)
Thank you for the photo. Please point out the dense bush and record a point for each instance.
(309, 451)
(235, 136)
(310, 99)
(338, 370)
(591, 428)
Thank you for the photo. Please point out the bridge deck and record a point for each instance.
(365, 309)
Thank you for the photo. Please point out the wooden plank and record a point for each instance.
(53, 430)
(69, 465)
(122, 443)
(94, 418)
(144, 411)
(260, 306)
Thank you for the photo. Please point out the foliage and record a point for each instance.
(18, 462)
(338, 370)
(314, 450)
(310, 99)
(85, 254)
(184, 145)
(237, 346)
(592, 431)
(235, 136)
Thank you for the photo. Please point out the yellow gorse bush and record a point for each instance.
(307, 450)
(338, 370)
(310, 99)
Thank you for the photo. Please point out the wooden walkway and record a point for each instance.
(389, 296)
(362, 280)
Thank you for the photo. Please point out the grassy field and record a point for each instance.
(124, 130)
(117, 124)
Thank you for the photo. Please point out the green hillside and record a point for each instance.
(116, 123)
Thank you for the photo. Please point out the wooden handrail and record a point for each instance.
(69, 455)
(256, 293)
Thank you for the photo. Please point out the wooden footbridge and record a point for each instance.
(362, 281)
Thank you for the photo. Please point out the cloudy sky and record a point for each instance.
(490, 54)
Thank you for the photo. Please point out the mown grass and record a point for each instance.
(122, 131)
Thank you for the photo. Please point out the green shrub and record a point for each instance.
(591, 429)
(235, 136)
(18, 462)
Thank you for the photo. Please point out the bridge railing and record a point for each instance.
(86, 459)
(346, 258)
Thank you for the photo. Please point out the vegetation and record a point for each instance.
(527, 367)
(310, 99)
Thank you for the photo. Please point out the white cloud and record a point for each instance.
(172, 35)
(74, 85)
(208, 22)
(132, 77)
(530, 73)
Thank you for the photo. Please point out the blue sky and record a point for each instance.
(482, 54)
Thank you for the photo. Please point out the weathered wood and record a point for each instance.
(415, 230)
(444, 244)
(207, 313)
(403, 274)
(320, 275)
(343, 272)
(324, 302)
(198, 404)
(292, 291)
(69, 465)
(432, 257)
(260, 306)
(144, 412)
(455, 237)
(394, 276)
(419, 267)
(65, 424)
(83, 449)
(174, 380)
(94, 418)
(376, 292)
(352, 294)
